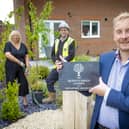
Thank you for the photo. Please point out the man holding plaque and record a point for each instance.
(63, 50)
(111, 109)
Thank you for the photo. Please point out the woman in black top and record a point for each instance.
(17, 63)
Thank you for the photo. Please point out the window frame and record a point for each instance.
(90, 28)
(51, 22)
(50, 35)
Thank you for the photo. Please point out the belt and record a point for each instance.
(99, 126)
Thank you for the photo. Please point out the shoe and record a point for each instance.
(50, 99)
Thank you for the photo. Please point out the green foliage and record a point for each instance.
(33, 33)
(18, 12)
(10, 107)
(37, 72)
(83, 58)
(56, 34)
(38, 27)
(35, 78)
(33, 75)
(7, 27)
(40, 85)
(2, 93)
(43, 72)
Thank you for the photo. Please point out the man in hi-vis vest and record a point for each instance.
(63, 50)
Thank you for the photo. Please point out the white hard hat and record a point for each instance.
(63, 25)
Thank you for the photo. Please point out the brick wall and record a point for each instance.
(75, 11)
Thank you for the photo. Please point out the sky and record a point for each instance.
(5, 7)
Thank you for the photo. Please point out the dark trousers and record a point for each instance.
(14, 72)
(51, 80)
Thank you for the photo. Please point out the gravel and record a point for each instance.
(48, 119)
(43, 116)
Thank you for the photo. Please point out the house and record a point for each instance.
(90, 21)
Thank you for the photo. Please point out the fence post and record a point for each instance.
(77, 110)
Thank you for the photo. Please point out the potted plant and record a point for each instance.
(37, 83)
(38, 91)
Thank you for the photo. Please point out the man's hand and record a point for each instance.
(99, 89)
(62, 59)
(58, 64)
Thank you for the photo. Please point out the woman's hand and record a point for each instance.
(21, 64)
(26, 71)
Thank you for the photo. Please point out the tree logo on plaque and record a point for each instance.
(78, 68)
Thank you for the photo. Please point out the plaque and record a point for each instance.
(79, 75)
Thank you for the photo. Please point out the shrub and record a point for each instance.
(33, 75)
(35, 78)
(40, 86)
(82, 58)
(2, 94)
(43, 72)
(36, 73)
(10, 107)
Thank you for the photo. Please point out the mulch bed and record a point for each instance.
(32, 107)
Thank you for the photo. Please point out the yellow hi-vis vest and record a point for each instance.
(65, 51)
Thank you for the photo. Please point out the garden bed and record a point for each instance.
(29, 111)
(48, 119)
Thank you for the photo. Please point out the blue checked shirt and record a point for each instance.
(108, 115)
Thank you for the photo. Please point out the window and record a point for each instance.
(90, 29)
(52, 26)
